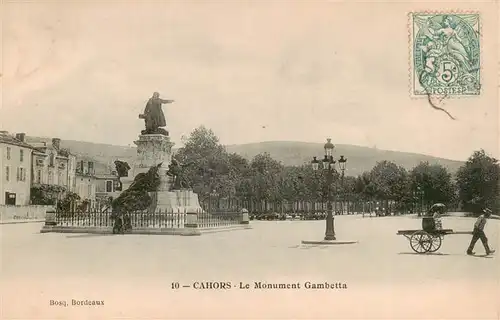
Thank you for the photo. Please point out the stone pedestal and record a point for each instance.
(179, 201)
(50, 218)
(244, 217)
(153, 149)
(191, 220)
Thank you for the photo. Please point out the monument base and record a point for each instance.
(180, 201)
(152, 149)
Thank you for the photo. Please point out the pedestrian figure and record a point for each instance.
(438, 223)
(478, 233)
(437, 210)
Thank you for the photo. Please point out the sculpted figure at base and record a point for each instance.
(135, 198)
(177, 172)
(153, 115)
(122, 168)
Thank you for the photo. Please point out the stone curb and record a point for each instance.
(225, 229)
(143, 231)
(22, 221)
(109, 230)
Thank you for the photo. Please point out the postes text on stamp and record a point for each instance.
(445, 54)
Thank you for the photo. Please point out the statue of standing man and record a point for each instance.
(153, 115)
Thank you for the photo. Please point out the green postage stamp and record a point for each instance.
(445, 55)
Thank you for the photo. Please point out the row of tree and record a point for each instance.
(213, 172)
(59, 196)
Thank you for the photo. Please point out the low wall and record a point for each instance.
(20, 214)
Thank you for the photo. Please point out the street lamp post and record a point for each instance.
(329, 171)
(342, 163)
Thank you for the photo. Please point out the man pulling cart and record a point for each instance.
(430, 237)
(478, 233)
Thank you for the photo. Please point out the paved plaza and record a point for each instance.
(134, 274)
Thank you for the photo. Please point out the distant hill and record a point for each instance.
(360, 159)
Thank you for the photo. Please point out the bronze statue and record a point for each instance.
(136, 196)
(153, 115)
(176, 171)
(135, 199)
(122, 168)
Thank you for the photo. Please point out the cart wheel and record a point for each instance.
(421, 241)
(436, 243)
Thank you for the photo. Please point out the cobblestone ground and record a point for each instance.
(134, 274)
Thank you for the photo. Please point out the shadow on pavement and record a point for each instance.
(482, 256)
(431, 254)
(307, 247)
(447, 254)
(302, 247)
(92, 235)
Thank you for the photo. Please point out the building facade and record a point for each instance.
(96, 187)
(53, 165)
(107, 186)
(85, 179)
(15, 173)
(28, 163)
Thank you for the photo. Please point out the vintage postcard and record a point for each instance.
(249, 160)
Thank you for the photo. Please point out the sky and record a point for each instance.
(250, 71)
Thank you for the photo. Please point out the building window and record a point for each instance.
(10, 198)
(39, 176)
(7, 173)
(8, 153)
(39, 162)
(21, 155)
(90, 190)
(51, 178)
(61, 180)
(109, 186)
(21, 174)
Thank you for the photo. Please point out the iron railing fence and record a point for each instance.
(147, 219)
(218, 219)
(138, 219)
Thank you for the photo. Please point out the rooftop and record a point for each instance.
(9, 139)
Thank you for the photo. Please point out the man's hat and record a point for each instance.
(487, 210)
